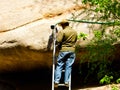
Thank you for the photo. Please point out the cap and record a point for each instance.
(64, 21)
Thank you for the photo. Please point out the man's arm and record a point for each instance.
(59, 37)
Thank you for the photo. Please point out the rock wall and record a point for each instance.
(27, 22)
(25, 30)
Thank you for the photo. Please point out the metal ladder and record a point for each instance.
(54, 58)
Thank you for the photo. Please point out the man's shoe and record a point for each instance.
(55, 85)
(67, 84)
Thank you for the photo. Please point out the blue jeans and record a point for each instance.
(67, 59)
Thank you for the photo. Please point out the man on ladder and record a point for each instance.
(66, 39)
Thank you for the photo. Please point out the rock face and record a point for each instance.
(25, 30)
(27, 22)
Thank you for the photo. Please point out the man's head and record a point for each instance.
(64, 23)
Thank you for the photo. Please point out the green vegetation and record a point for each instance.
(114, 87)
(107, 9)
(99, 56)
(106, 79)
(101, 49)
(82, 35)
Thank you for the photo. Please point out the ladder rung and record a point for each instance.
(63, 70)
(61, 84)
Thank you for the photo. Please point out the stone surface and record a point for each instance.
(105, 87)
(25, 30)
(27, 22)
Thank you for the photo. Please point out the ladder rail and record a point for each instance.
(54, 56)
(70, 83)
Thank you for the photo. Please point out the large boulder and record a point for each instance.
(25, 30)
